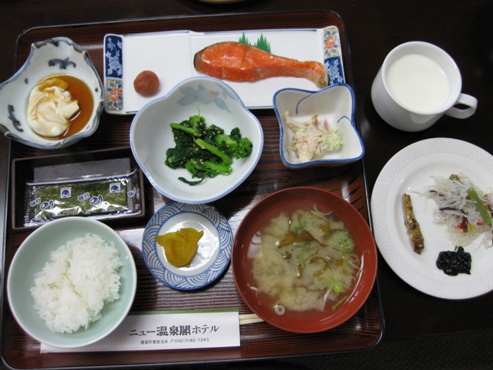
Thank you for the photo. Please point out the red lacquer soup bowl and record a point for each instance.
(246, 248)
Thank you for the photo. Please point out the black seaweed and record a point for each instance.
(455, 262)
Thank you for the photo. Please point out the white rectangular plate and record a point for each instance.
(170, 55)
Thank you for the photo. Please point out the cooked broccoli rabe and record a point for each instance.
(239, 147)
(205, 151)
(225, 158)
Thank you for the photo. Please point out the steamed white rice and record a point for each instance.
(73, 287)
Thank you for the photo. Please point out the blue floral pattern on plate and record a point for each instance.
(113, 72)
(332, 55)
(152, 251)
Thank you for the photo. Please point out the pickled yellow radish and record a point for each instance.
(180, 246)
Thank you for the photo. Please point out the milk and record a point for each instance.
(418, 83)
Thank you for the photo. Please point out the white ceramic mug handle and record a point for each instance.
(467, 100)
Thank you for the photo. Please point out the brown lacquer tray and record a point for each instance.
(258, 341)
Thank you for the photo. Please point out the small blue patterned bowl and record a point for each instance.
(151, 136)
(56, 56)
(335, 105)
(214, 247)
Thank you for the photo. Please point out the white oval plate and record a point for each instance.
(213, 254)
(410, 171)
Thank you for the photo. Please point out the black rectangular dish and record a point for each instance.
(103, 184)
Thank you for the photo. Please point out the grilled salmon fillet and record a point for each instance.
(238, 62)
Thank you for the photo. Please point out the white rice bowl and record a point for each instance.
(63, 295)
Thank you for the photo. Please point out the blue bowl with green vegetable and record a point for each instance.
(198, 143)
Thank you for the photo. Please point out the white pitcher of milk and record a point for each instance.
(416, 85)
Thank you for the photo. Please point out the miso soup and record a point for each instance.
(305, 260)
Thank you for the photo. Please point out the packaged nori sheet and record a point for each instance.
(86, 197)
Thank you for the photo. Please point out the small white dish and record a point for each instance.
(336, 104)
(212, 257)
(151, 136)
(56, 56)
(410, 171)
